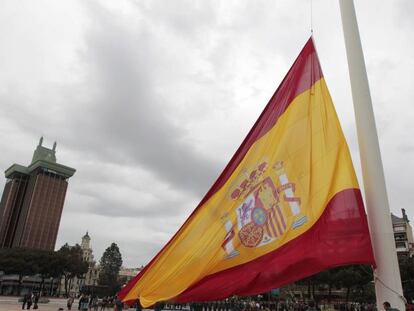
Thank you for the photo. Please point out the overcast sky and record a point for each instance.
(148, 100)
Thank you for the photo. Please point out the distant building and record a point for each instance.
(90, 279)
(32, 201)
(9, 284)
(126, 274)
(403, 235)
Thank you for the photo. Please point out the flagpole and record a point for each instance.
(386, 275)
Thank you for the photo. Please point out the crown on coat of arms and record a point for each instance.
(250, 182)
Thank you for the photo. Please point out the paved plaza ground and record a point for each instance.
(11, 304)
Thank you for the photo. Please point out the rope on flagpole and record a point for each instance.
(376, 278)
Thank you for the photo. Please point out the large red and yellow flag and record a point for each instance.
(287, 206)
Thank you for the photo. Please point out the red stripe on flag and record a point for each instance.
(339, 237)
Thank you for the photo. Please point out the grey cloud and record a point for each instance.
(404, 13)
(132, 205)
(406, 147)
(181, 15)
(127, 117)
(139, 249)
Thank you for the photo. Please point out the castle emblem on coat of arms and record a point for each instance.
(260, 215)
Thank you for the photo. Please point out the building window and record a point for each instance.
(399, 229)
(401, 245)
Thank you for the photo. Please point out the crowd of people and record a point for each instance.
(85, 302)
(272, 305)
(93, 303)
(29, 299)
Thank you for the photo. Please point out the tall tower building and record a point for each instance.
(32, 201)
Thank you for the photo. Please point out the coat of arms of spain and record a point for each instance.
(260, 214)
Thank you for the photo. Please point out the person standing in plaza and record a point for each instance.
(83, 303)
(118, 305)
(311, 306)
(104, 303)
(25, 298)
(35, 300)
(29, 301)
(94, 303)
(387, 307)
(138, 306)
(69, 303)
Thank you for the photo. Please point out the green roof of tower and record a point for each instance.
(45, 158)
(44, 154)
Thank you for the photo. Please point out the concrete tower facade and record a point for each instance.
(32, 201)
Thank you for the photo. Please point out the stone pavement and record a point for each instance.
(11, 304)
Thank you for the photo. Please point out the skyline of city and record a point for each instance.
(150, 101)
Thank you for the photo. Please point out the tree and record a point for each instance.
(66, 262)
(407, 276)
(73, 264)
(329, 278)
(110, 263)
(354, 277)
(48, 264)
(17, 261)
(23, 262)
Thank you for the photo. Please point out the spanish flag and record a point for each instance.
(287, 205)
